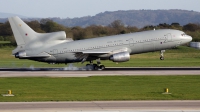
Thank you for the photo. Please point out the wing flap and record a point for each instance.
(96, 52)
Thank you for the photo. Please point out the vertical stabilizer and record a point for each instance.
(28, 40)
(22, 32)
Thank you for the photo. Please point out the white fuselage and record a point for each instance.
(104, 47)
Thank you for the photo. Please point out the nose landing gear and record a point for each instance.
(162, 54)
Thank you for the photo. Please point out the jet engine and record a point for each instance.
(120, 57)
(20, 54)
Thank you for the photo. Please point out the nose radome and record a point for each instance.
(189, 38)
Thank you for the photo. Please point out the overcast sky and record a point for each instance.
(80, 8)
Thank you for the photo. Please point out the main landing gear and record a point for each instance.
(97, 66)
(162, 54)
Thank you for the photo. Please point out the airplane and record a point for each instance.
(55, 48)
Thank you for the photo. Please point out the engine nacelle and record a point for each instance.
(20, 54)
(120, 57)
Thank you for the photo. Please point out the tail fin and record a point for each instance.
(22, 32)
(27, 38)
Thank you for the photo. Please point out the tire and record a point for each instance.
(95, 66)
(102, 67)
(161, 58)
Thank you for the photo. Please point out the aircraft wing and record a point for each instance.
(85, 54)
(90, 52)
(96, 52)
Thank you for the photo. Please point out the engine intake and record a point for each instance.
(20, 54)
(120, 57)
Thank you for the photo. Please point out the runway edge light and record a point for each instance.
(9, 93)
(166, 91)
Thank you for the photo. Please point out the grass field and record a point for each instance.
(4, 42)
(180, 57)
(101, 88)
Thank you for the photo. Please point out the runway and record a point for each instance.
(102, 106)
(56, 72)
(106, 69)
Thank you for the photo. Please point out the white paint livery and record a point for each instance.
(55, 48)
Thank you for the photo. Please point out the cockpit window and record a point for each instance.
(183, 34)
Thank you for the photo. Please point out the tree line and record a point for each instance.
(92, 31)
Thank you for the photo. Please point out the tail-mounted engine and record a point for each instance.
(120, 57)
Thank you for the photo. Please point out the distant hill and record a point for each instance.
(6, 15)
(138, 18)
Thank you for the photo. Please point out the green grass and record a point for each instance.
(4, 42)
(101, 88)
(180, 57)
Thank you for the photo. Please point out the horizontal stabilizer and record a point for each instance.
(24, 56)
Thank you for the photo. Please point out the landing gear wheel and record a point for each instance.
(95, 66)
(102, 67)
(162, 54)
(161, 58)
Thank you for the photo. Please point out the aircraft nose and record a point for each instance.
(186, 38)
(189, 38)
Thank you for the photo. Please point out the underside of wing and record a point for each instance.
(96, 52)
(91, 54)
(113, 51)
